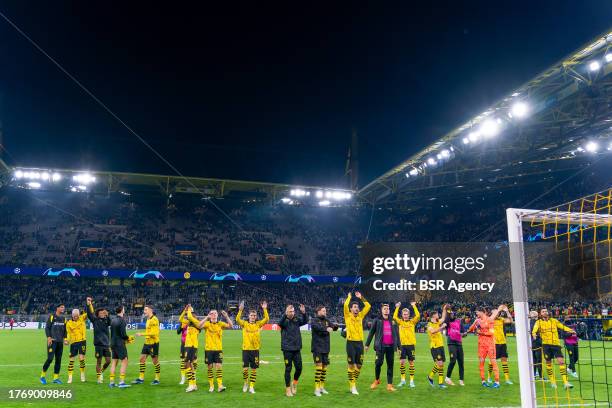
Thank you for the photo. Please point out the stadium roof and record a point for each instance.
(105, 182)
(553, 125)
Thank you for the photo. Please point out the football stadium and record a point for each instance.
(477, 272)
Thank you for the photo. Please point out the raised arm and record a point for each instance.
(417, 315)
(230, 323)
(563, 327)
(396, 313)
(239, 315)
(536, 329)
(266, 317)
(347, 302)
(90, 310)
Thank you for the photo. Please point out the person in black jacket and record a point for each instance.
(119, 338)
(536, 347)
(291, 345)
(321, 330)
(386, 343)
(101, 323)
(55, 330)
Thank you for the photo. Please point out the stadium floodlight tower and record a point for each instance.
(515, 219)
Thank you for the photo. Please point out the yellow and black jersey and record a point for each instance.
(407, 327)
(152, 330)
(354, 324)
(251, 339)
(193, 330)
(549, 331)
(76, 329)
(214, 335)
(435, 339)
(498, 330)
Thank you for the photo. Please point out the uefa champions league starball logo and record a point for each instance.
(105, 273)
(335, 279)
(17, 271)
(264, 277)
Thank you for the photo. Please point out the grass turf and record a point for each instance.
(22, 353)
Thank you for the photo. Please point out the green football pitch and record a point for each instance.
(22, 353)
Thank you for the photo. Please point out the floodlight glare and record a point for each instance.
(473, 136)
(445, 153)
(520, 109)
(324, 203)
(431, 161)
(56, 177)
(319, 194)
(18, 174)
(413, 172)
(608, 57)
(466, 140)
(592, 147)
(439, 156)
(34, 184)
(45, 176)
(594, 66)
(489, 128)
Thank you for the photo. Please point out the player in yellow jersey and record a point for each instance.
(251, 342)
(191, 346)
(183, 324)
(548, 329)
(150, 347)
(407, 340)
(501, 348)
(213, 350)
(353, 319)
(436, 343)
(75, 328)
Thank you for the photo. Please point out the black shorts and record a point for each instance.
(102, 351)
(250, 358)
(213, 357)
(190, 353)
(354, 352)
(551, 351)
(78, 347)
(407, 353)
(150, 349)
(182, 355)
(437, 354)
(321, 358)
(501, 350)
(119, 352)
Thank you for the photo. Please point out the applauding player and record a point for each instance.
(251, 342)
(75, 328)
(353, 318)
(101, 323)
(213, 349)
(291, 345)
(407, 340)
(436, 343)
(320, 345)
(150, 347)
(484, 327)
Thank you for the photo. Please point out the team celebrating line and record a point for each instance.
(391, 332)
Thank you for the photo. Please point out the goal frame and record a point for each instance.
(515, 219)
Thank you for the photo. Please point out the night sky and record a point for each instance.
(272, 92)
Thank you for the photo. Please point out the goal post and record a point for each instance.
(560, 223)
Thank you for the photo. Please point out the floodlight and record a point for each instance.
(594, 66)
(18, 174)
(431, 161)
(324, 203)
(445, 153)
(34, 184)
(608, 57)
(473, 136)
(319, 194)
(592, 147)
(413, 172)
(56, 177)
(489, 128)
(466, 140)
(519, 110)
(45, 176)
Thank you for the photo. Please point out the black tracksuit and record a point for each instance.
(56, 329)
(384, 351)
(291, 345)
(118, 338)
(100, 328)
(320, 336)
